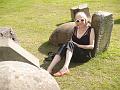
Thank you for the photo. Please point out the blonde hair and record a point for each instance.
(82, 14)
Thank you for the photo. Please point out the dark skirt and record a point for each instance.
(79, 54)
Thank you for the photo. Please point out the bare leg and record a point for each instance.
(67, 61)
(55, 60)
(65, 69)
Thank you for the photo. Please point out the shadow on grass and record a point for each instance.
(117, 21)
(60, 65)
(47, 47)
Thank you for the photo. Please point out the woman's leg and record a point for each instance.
(69, 54)
(65, 69)
(55, 60)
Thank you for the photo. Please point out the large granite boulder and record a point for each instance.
(16, 75)
(6, 32)
(102, 22)
(62, 33)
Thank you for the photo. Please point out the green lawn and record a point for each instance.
(35, 20)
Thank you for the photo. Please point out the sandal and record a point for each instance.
(50, 56)
(61, 73)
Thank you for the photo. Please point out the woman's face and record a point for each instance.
(79, 20)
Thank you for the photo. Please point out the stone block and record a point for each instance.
(9, 50)
(81, 8)
(102, 22)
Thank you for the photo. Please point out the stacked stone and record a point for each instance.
(102, 22)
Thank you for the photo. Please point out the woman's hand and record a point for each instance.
(83, 46)
(75, 43)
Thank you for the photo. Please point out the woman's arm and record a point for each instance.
(92, 41)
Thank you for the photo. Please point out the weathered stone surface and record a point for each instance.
(16, 75)
(62, 33)
(6, 32)
(81, 8)
(9, 50)
(102, 22)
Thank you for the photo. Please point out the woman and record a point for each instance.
(78, 48)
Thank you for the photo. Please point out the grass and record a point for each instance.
(35, 20)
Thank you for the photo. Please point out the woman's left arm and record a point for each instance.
(92, 41)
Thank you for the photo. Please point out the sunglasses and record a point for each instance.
(79, 20)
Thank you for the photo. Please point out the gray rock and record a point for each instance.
(16, 75)
(81, 8)
(9, 50)
(62, 33)
(6, 32)
(102, 22)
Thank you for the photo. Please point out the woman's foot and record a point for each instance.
(62, 72)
